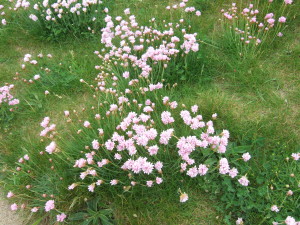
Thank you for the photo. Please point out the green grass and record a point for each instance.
(255, 99)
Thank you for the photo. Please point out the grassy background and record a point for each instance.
(257, 98)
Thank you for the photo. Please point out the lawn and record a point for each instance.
(253, 88)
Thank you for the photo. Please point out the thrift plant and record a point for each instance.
(248, 29)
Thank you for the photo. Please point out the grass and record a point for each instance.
(254, 98)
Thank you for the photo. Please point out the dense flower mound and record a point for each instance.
(59, 17)
(131, 46)
(252, 26)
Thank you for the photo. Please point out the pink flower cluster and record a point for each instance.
(245, 24)
(7, 97)
(140, 46)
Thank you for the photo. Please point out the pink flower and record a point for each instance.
(158, 166)
(61, 217)
(126, 74)
(14, 207)
(49, 205)
(51, 147)
(153, 150)
(290, 221)
(239, 221)
(271, 21)
(3, 21)
(296, 156)
(166, 117)
(87, 124)
(165, 136)
(114, 182)
(91, 187)
(202, 169)
(246, 156)
(127, 11)
(274, 208)
(282, 19)
(280, 34)
(149, 183)
(269, 16)
(95, 144)
(198, 13)
(184, 197)
(34, 209)
(158, 180)
(10, 194)
(288, 2)
(244, 181)
(233, 172)
(72, 186)
(45, 122)
(36, 77)
(192, 172)
(224, 166)
(109, 145)
(194, 108)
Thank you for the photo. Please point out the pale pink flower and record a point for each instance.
(184, 197)
(290, 221)
(72, 186)
(288, 2)
(192, 172)
(149, 183)
(296, 156)
(87, 124)
(202, 169)
(198, 13)
(153, 150)
(91, 187)
(95, 144)
(14, 207)
(233, 172)
(127, 11)
(282, 19)
(67, 113)
(224, 166)
(36, 77)
(61, 217)
(214, 116)
(239, 221)
(274, 208)
(34, 209)
(246, 156)
(114, 182)
(244, 181)
(194, 108)
(49, 205)
(158, 180)
(158, 166)
(269, 16)
(280, 34)
(51, 147)
(10, 194)
(126, 75)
